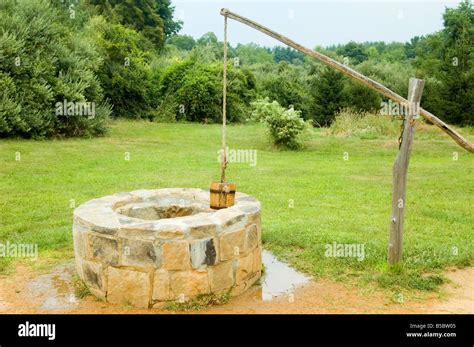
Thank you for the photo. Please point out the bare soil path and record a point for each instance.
(26, 291)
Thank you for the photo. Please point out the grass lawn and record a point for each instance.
(334, 200)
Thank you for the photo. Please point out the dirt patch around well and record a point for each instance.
(26, 291)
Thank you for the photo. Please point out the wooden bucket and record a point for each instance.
(222, 194)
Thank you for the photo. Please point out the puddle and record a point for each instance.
(54, 291)
(279, 278)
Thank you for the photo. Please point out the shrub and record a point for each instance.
(360, 97)
(329, 98)
(183, 42)
(349, 122)
(393, 75)
(196, 90)
(285, 125)
(151, 18)
(126, 76)
(43, 62)
(200, 93)
(287, 84)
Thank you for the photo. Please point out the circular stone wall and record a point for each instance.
(151, 246)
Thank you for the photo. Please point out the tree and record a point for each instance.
(208, 39)
(446, 61)
(45, 65)
(287, 84)
(166, 12)
(457, 70)
(195, 90)
(252, 54)
(328, 96)
(183, 42)
(410, 47)
(286, 54)
(354, 51)
(126, 75)
(361, 98)
(153, 18)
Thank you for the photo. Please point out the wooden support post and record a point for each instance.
(400, 169)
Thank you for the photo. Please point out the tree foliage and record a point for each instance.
(457, 66)
(328, 96)
(126, 76)
(195, 89)
(284, 125)
(43, 63)
(152, 18)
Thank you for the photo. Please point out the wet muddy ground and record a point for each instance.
(281, 290)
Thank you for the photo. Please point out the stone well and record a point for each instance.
(147, 247)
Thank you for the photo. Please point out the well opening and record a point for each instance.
(164, 208)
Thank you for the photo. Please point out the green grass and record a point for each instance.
(80, 288)
(198, 303)
(334, 200)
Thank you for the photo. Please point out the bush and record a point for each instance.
(329, 98)
(126, 76)
(360, 97)
(285, 125)
(287, 84)
(196, 90)
(394, 75)
(349, 122)
(200, 92)
(44, 63)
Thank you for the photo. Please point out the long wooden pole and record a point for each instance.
(400, 171)
(461, 141)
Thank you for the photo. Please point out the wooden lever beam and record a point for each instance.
(374, 85)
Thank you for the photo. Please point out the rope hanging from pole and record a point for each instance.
(224, 106)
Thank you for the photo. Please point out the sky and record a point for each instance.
(315, 22)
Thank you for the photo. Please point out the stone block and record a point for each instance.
(94, 275)
(251, 237)
(175, 255)
(123, 282)
(245, 285)
(137, 230)
(189, 283)
(103, 249)
(81, 244)
(257, 259)
(161, 285)
(171, 231)
(244, 268)
(141, 253)
(201, 227)
(221, 276)
(203, 252)
(102, 219)
(231, 244)
(228, 217)
(100, 294)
